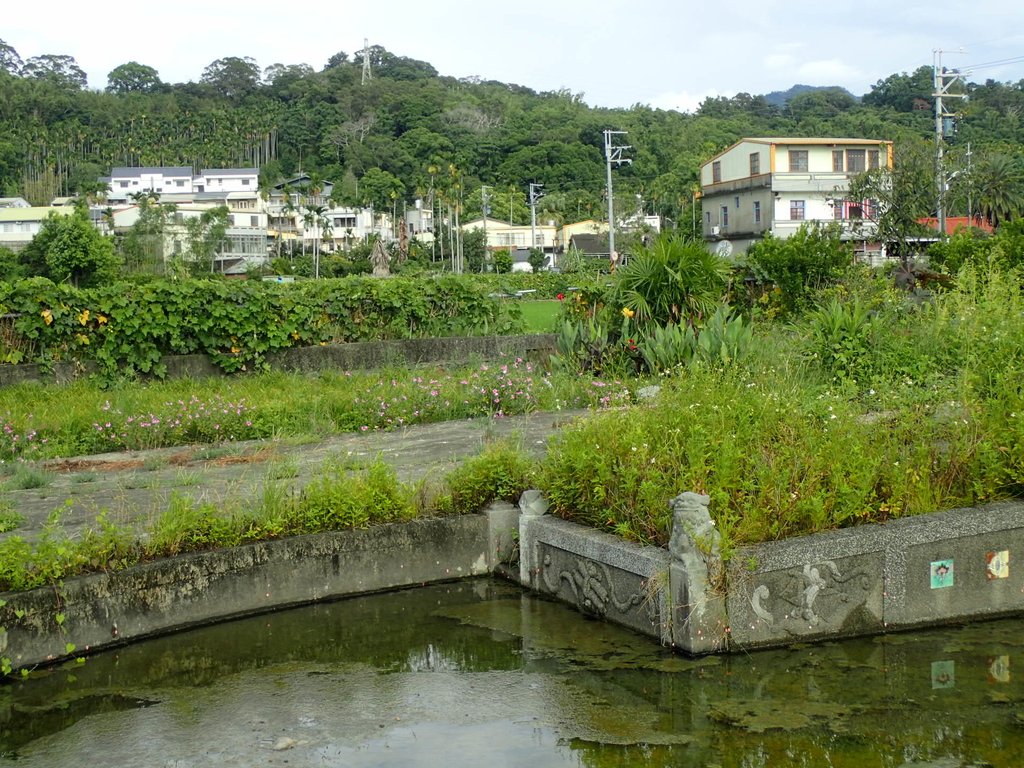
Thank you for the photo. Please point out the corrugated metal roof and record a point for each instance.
(230, 172)
(35, 213)
(150, 170)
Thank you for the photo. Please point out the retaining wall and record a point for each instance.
(101, 610)
(355, 356)
(948, 567)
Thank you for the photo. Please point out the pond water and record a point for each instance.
(481, 673)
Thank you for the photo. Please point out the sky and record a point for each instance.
(668, 54)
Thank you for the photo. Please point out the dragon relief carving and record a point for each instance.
(592, 587)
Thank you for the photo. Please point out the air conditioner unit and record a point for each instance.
(715, 230)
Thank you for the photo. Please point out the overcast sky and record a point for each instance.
(664, 53)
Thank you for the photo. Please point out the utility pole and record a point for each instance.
(367, 74)
(535, 195)
(943, 82)
(970, 183)
(484, 210)
(613, 154)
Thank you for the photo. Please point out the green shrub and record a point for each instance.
(338, 499)
(813, 258)
(501, 472)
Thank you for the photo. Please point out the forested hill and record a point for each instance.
(409, 129)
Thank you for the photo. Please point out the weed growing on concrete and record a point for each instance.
(26, 477)
(9, 519)
(500, 472)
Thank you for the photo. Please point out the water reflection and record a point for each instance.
(452, 673)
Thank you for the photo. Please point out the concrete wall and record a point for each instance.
(100, 610)
(948, 567)
(934, 569)
(354, 356)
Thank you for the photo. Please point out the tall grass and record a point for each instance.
(888, 413)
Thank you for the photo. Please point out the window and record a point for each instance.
(707, 217)
(872, 159)
(254, 221)
(245, 182)
(123, 184)
(837, 209)
(855, 161)
(796, 210)
(837, 161)
(344, 221)
(798, 160)
(716, 172)
(757, 211)
(725, 216)
(755, 163)
(179, 183)
(856, 211)
(736, 203)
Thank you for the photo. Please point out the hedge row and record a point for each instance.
(129, 327)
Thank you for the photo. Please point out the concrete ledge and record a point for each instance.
(101, 610)
(929, 570)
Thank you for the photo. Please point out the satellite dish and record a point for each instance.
(724, 249)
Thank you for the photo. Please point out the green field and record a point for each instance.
(541, 315)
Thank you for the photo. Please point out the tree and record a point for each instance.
(133, 78)
(232, 77)
(204, 236)
(68, 248)
(142, 247)
(894, 199)
(811, 259)
(377, 186)
(999, 181)
(537, 259)
(671, 281)
(62, 71)
(10, 61)
(336, 60)
(900, 91)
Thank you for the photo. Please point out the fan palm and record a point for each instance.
(671, 281)
(1000, 182)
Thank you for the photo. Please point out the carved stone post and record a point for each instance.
(700, 623)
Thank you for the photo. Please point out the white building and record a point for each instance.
(776, 185)
(124, 182)
(18, 225)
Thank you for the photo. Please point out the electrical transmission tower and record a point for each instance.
(943, 127)
(367, 73)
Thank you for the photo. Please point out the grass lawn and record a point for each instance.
(541, 315)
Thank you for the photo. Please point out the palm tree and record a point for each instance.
(672, 281)
(314, 217)
(999, 179)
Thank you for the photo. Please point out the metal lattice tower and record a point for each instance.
(943, 80)
(367, 73)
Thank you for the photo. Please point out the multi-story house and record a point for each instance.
(761, 185)
(125, 182)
